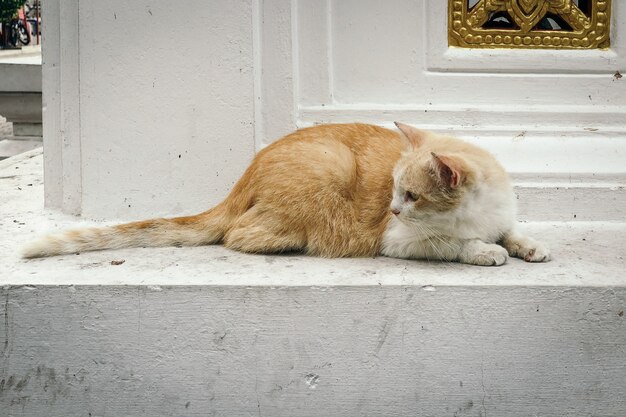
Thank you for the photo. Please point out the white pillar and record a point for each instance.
(149, 107)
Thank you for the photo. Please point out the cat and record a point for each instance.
(346, 190)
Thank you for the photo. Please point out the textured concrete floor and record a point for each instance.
(9, 146)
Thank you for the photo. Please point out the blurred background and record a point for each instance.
(20, 76)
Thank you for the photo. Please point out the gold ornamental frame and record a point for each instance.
(465, 25)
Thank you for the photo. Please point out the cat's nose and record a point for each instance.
(395, 211)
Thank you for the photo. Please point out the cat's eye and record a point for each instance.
(410, 197)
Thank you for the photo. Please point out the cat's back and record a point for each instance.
(331, 153)
(331, 184)
(359, 138)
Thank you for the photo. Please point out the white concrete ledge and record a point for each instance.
(208, 331)
(585, 254)
(298, 351)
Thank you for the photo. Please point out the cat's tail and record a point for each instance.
(202, 229)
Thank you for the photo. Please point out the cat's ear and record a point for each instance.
(449, 170)
(412, 137)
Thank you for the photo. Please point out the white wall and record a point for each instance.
(155, 105)
(538, 111)
(135, 85)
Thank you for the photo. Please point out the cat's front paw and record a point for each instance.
(535, 253)
(485, 255)
(526, 248)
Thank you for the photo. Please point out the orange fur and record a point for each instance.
(324, 190)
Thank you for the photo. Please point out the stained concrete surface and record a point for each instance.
(450, 351)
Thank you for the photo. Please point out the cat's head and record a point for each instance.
(427, 182)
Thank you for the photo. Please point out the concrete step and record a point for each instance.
(331, 350)
(28, 130)
(21, 138)
(563, 198)
(197, 331)
(12, 147)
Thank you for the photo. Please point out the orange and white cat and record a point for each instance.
(346, 190)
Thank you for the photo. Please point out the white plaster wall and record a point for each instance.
(538, 111)
(134, 85)
(164, 105)
(382, 54)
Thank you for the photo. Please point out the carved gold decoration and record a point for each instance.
(470, 27)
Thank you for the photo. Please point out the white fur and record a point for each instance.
(466, 234)
(479, 231)
(40, 247)
(64, 243)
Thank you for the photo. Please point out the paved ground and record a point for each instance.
(9, 146)
(26, 50)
